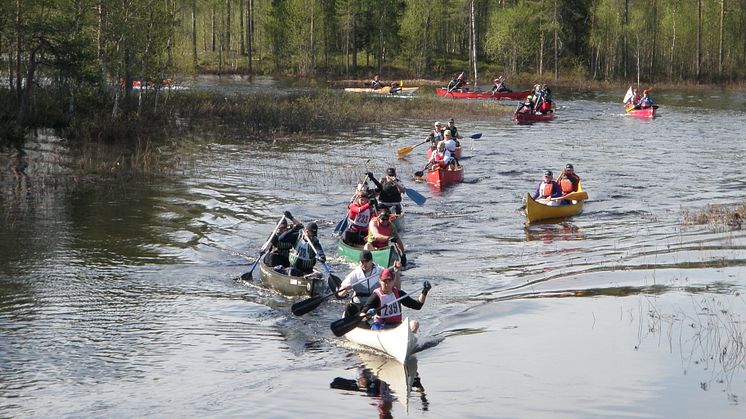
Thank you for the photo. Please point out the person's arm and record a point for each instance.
(410, 302)
(346, 283)
(373, 303)
(375, 181)
(373, 231)
(320, 256)
(291, 236)
(400, 187)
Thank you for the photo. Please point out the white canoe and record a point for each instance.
(398, 343)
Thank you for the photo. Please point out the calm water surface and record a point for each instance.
(120, 299)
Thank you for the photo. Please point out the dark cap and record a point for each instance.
(366, 255)
(548, 173)
(451, 120)
(312, 228)
(568, 166)
(391, 171)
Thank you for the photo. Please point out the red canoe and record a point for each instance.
(442, 91)
(647, 112)
(532, 117)
(429, 153)
(441, 177)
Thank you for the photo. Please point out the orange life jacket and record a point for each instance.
(548, 187)
(566, 185)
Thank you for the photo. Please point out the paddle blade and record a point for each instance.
(576, 196)
(415, 196)
(341, 226)
(248, 275)
(334, 282)
(344, 325)
(419, 173)
(476, 136)
(404, 150)
(302, 307)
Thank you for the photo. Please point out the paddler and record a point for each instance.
(304, 240)
(381, 232)
(390, 313)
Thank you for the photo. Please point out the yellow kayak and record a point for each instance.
(536, 211)
(386, 90)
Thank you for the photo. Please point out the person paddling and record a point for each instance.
(390, 191)
(568, 180)
(280, 251)
(364, 280)
(302, 255)
(499, 86)
(387, 311)
(382, 232)
(547, 189)
(376, 84)
(359, 213)
(436, 135)
(457, 84)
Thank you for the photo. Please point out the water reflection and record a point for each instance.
(562, 231)
(385, 380)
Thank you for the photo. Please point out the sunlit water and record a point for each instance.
(121, 299)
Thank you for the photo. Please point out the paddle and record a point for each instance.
(408, 149)
(415, 196)
(475, 136)
(262, 250)
(573, 196)
(345, 325)
(316, 252)
(302, 307)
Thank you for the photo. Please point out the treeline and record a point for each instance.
(96, 48)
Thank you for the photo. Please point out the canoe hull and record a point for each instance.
(441, 177)
(286, 284)
(645, 113)
(523, 118)
(442, 91)
(383, 257)
(398, 343)
(536, 211)
(386, 90)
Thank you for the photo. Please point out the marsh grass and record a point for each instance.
(716, 216)
(712, 338)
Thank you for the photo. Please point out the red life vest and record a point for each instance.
(545, 106)
(566, 185)
(390, 311)
(387, 231)
(548, 187)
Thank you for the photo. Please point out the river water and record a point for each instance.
(121, 298)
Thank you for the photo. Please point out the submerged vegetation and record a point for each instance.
(719, 216)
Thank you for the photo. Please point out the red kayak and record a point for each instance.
(532, 117)
(441, 176)
(442, 91)
(457, 154)
(647, 112)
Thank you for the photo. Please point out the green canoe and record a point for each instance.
(384, 257)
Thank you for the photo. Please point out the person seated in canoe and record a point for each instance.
(548, 189)
(363, 280)
(645, 100)
(388, 313)
(382, 232)
(390, 189)
(359, 213)
(499, 86)
(454, 131)
(280, 251)
(376, 84)
(527, 106)
(395, 88)
(451, 145)
(302, 255)
(439, 158)
(457, 84)
(544, 103)
(436, 135)
(568, 180)
(631, 98)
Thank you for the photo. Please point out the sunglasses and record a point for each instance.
(383, 217)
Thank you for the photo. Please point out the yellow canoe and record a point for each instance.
(386, 90)
(536, 211)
